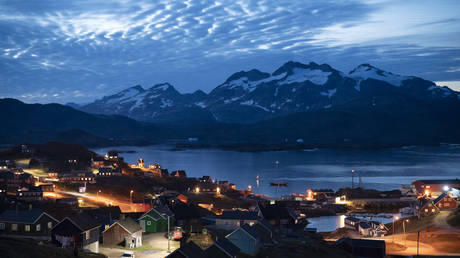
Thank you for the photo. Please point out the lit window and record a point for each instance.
(14, 227)
(428, 186)
(432, 210)
(251, 223)
(38, 227)
(27, 228)
(2, 226)
(87, 235)
(50, 225)
(426, 210)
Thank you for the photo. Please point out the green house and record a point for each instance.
(156, 220)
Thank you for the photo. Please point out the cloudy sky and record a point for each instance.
(61, 51)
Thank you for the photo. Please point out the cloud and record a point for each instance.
(78, 46)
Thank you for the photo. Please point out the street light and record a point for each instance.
(394, 218)
(131, 195)
(404, 230)
(218, 190)
(97, 194)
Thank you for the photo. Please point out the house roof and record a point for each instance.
(239, 215)
(129, 224)
(164, 210)
(440, 181)
(190, 250)
(226, 246)
(361, 242)
(275, 211)
(21, 216)
(105, 215)
(263, 223)
(250, 230)
(354, 219)
(364, 224)
(83, 221)
(437, 200)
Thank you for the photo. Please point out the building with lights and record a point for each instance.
(434, 188)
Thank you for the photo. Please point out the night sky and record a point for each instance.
(64, 51)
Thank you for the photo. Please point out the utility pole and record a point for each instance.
(352, 178)
(169, 237)
(418, 240)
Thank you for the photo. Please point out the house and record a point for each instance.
(266, 231)
(426, 206)
(46, 188)
(3, 165)
(351, 222)
(105, 216)
(156, 220)
(33, 194)
(79, 230)
(97, 162)
(434, 188)
(78, 177)
(365, 228)
(33, 223)
(205, 179)
(179, 174)
(222, 248)
(123, 231)
(246, 239)
(187, 215)
(276, 214)
(235, 218)
(108, 172)
(111, 155)
(362, 247)
(188, 250)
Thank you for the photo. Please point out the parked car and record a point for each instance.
(128, 254)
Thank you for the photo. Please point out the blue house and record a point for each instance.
(246, 238)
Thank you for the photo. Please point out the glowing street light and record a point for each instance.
(249, 187)
(446, 188)
(218, 190)
(394, 218)
(131, 195)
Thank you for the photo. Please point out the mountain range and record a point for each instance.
(248, 97)
(296, 106)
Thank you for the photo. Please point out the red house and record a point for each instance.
(435, 187)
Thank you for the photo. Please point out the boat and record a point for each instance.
(277, 184)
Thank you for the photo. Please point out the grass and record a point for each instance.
(25, 248)
(454, 218)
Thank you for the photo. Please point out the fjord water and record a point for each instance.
(382, 169)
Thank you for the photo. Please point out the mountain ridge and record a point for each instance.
(247, 97)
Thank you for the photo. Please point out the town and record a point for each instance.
(75, 202)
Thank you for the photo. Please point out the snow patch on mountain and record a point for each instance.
(299, 75)
(247, 102)
(366, 71)
(329, 93)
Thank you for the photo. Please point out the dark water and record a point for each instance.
(320, 168)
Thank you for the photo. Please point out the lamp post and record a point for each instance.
(404, 230)
(131, 195)
(97, 194)
(394, 218)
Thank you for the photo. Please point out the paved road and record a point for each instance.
(156, 241)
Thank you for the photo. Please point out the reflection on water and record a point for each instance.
(301, 170)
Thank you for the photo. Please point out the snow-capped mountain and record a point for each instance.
(251, 96)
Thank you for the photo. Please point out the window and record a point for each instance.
(38, 227)
(14, 227)
(50, 225)
(27, 228)
(432, 210)
(149, 223)
(2, 226)
(87, 235)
